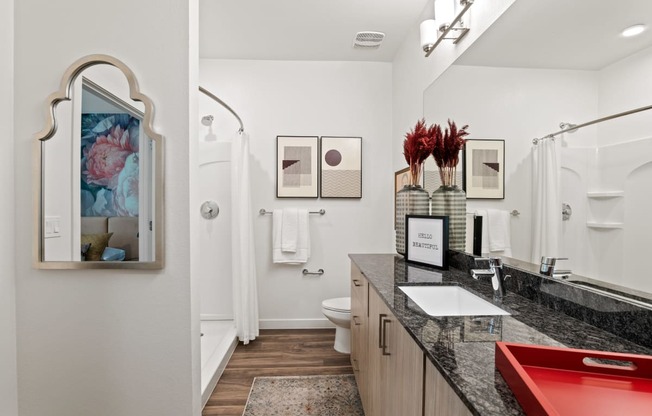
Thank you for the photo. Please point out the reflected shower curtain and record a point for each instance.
(245, 291)
(546, 199)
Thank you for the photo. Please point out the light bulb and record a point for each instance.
(428, 31)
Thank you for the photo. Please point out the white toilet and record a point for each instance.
(338, 311)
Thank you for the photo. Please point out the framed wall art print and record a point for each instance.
(484, 169)
(341, 167)
(297, 167)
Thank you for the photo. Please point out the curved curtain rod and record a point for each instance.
(588, 123)
(223, 104)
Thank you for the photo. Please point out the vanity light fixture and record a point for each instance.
(446, 25)
(634, 30)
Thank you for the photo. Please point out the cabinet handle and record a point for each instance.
(356, 320)
(356, 283)
(354, 365)
(381, 317)
(385, 321)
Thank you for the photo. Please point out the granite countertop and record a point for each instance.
(462, 347)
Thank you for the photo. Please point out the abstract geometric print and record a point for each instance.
(341, 167)
(296, 169)
(485, 168)
(297, 166)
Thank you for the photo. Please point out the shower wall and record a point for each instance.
(607, 183)
(214, 184)
(607, 188)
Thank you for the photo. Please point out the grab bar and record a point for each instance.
(263, 211)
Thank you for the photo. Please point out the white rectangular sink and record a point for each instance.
(450, 301)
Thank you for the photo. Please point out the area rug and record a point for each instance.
(305, 395)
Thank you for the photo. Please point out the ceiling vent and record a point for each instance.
(368, 40)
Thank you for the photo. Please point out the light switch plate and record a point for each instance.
(52, 227)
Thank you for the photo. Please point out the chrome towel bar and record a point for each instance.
(263, 211)
(513, 213)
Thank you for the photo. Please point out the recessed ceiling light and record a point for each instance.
(633, 31)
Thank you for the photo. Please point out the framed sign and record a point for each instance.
(426, 240)
(484, 169)
(297, 167)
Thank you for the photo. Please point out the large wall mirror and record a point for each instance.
(99, 188)
(549, 62)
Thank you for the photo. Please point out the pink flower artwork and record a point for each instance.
(109, 165)
(107, 157)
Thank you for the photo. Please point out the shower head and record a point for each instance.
(207, 120)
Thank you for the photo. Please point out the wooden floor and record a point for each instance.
(295, 352)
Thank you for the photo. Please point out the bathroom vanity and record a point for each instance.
(410, 363)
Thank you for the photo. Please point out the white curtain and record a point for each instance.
(546, 199)
(245, 291)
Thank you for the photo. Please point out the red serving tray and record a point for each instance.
(557, 381)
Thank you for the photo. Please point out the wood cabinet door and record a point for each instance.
(359, 325)
(405, 374)
(440, 399)
(377, 362)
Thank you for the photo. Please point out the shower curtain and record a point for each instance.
(546, 199)
(245, 292)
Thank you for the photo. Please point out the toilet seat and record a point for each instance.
(337, 304)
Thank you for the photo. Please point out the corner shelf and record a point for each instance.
(606, 225)
(605, 194)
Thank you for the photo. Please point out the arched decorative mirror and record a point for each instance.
(99, 183)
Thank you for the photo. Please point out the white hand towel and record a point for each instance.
(289, 230)
(302, 253)
(499, 231)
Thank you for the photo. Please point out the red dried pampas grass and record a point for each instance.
(417, 146)
(446, 150)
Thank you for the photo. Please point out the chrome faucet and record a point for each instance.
(495, 271)
(549, 267)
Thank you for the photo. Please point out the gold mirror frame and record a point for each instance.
(64, 94)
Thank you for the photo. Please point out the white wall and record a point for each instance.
(312, 98)
(625, 85)
(8, 389)
(487, 100)
(108, 342)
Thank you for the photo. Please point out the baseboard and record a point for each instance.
(295, 323)
(215, 317)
